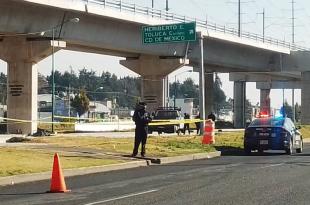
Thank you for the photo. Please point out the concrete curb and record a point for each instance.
(167, 160)
(11, 180)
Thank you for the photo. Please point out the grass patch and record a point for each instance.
(229, 139)
(157, 146)
(16, 161)
(305, 131)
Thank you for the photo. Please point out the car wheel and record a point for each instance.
(247, 150)
(289, 150)
(299, 150)
(260, 151)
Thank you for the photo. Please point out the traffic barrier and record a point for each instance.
(208, 135)
(58, 184)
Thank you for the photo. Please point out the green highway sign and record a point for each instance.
(169, 33)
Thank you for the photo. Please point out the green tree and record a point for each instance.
(43, 86)
(188, 89)
(288, 110)
(80, 103)
(219, 97)
(297, 112)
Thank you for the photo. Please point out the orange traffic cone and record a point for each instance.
(208, 136)
(58, 184)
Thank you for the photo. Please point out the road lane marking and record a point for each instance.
(273, 165)
(122, 197)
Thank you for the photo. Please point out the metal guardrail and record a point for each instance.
(176, 18)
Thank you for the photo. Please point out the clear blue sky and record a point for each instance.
(225, 12)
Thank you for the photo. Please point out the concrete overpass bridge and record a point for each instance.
(264, 82)
(114, 28)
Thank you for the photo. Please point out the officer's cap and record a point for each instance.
(142, 103)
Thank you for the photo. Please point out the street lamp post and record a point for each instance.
(73, 20)
(53, 78)
(175, 90)
(100, 88)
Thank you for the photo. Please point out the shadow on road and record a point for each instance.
(230, 151)
(236, 151)
(22, 194)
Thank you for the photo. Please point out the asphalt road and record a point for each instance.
(233, 179)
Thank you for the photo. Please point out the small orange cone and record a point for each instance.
(58, 184)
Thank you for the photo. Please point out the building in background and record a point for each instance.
(185, 104)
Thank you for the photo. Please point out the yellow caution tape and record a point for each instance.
(153, 123)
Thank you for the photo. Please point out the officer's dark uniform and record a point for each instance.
(198, 123)
(141, 118)
(186, 125)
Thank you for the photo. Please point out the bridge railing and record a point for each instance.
(176, 18)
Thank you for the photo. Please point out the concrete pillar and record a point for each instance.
(22, 55)
(166, 91)
(153, 70)
(239, 104)
(305, 98)
(209, 84)
(265, 101)
(153, 93)
(22, 97)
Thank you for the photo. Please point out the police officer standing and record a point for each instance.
(186, 125)
(211, 116)
(141, 118)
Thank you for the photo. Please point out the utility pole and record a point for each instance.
(239, 18)
(293, 105)
(167, 6)
(239, 14)
(293, 22)
(293, 42)
(263, 13)
(152, 4)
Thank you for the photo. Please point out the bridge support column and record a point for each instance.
(22, 56)
(239, 104)
(153, 70)
(209, 84)
(22, 96)
(265, 101)
(305, 98)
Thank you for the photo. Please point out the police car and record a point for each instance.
(272, 133)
